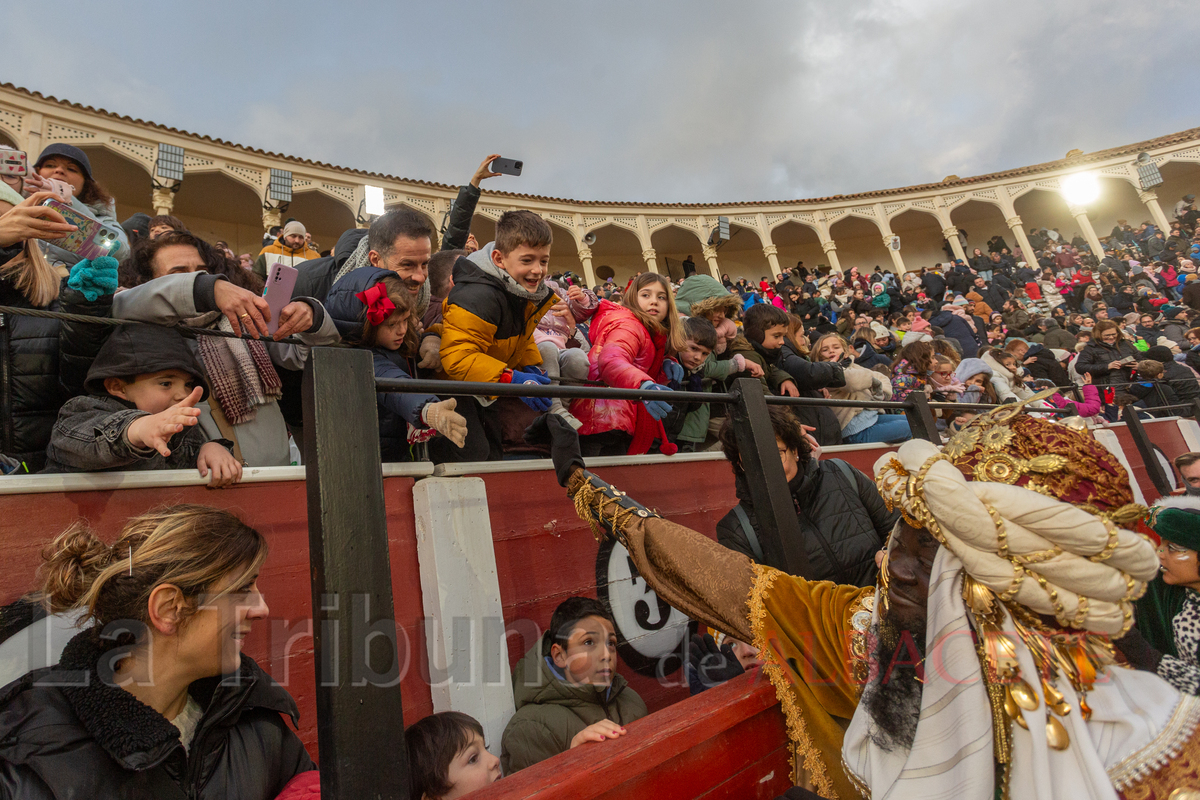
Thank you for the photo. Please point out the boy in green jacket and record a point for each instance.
(567, 689)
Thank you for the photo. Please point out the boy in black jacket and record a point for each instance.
(140, 412)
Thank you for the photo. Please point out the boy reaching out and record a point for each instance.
(488, 321)
(140, 412)
(566, 688)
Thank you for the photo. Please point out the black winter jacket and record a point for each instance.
(42, 364)
(1095, 357)
(843, 525)
(810, 378)
(1182, 381)
(98, 741)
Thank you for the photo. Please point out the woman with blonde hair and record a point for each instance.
(154, 698)
(860, 425)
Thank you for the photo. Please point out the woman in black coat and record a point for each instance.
(170, 709)
(1105, 357)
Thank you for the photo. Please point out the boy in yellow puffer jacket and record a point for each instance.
(488, 322)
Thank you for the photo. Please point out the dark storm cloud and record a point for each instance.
(688, 101)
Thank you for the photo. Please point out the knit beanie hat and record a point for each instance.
(970, 367)
(294, 227)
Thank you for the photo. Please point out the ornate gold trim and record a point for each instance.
(764, 579)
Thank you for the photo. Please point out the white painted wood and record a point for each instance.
(149, 479)
(1109, 439)
(1190, 432)
(468, 651)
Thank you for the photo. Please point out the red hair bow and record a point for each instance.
(379, 305)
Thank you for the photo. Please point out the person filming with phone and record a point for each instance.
(1107, 358)
(69, 165)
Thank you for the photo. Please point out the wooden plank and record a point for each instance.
(354, 629)
(671, 735)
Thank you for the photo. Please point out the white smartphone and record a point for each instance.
(281, 282)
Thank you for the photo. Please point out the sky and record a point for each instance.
(646, 101)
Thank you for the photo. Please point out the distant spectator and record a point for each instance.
(164, 224)
(290, 249)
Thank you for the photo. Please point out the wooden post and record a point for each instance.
(778, 526)
(354, 629)
(921, 421)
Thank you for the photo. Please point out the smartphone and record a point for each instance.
(60, 188)
(14, 162)
(506, 166)
(92, 240)
(281, 282)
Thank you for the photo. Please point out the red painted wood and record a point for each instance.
(1163, 433)
(721, 742)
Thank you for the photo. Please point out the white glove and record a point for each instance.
(430, 351)
(442, 417)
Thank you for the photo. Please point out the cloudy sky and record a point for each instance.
(691, 101)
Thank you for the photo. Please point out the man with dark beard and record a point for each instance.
(1012, 566)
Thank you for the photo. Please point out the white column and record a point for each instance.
(468, 648)
(951, 234)
(163, 200)
(830, 248)
(710, 255)
(897, 261)
(650, 257)
(1017, 227)
(585, 260)
(1089, 233)
(1150, 198)
(270, 218)
(772, 254)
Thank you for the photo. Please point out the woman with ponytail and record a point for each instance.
(153, 698)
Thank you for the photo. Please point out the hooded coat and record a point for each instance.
(90, 434)
(396, 410)
(59, 739)
(488, 321)
(810, 378)
(1046, 367)
(624, 355)
(958, 329)
(843, 524)
(1056, 338)
(550, 711)
(696, 288)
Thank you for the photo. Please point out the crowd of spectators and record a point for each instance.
(1105, 330)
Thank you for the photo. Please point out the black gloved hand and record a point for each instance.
(1140, 653)
(551, 430)
(709, 665)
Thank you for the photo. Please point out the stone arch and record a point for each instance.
(484, 229)
(564, 252)
(743, 253)
(860, 243)
(1045, 208)
(8, 138)
(218, 206)
(672, 244)
(921, 240)
(981, 221)
(325, 216)
(125, 179)
(1118, 200)
(235, 173)
(794, 241)
(619, 248)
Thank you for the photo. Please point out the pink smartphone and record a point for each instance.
(281, 282)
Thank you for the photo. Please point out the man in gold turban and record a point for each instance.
(981, 665)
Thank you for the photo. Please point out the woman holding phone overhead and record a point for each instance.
(63, 162)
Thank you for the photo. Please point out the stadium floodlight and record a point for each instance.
(1081, 188)
(374, 201)
(169, 165)
(280, 187)
(1148, 174)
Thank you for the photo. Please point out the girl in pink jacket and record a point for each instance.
(630, 344)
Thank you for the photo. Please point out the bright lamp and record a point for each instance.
(374, 204)
(1081, 188)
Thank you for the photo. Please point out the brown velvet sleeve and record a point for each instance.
(691, 572)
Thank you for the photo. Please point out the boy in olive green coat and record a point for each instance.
(567, 690)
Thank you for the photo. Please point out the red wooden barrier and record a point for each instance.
(729, 742)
